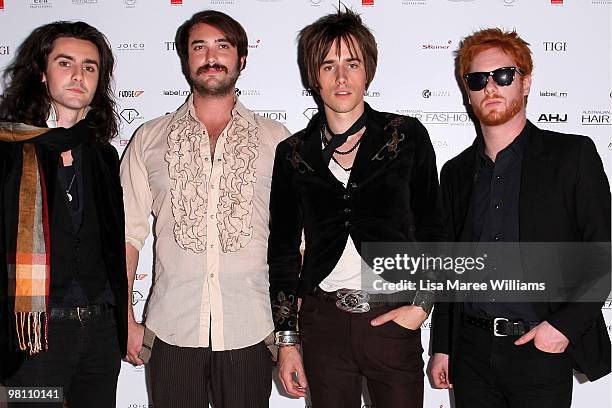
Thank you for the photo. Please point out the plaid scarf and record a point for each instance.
(28, 248)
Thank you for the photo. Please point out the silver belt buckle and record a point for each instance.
(495, 332)
(353, 300)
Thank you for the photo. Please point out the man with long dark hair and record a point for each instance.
(63, 286)
(204, 172)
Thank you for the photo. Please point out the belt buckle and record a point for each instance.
(83, 313)
(353, 300)
(495, 321)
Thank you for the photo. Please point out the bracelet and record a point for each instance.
(424, 299)
(287, 338)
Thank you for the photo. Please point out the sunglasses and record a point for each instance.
(502, 76)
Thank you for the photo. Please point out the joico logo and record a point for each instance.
(555, 46)
(595, 118)
(552, 118)
(438, 118)
(553, 94)
(277, 115)
(128, 46)
(169, 45)
(129, 93)
(5, 50)
(130, 115)
(41, 4)
(310, 112)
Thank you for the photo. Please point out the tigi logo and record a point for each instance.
(169, 45)
(5, 50)
(557, 46)
(552, 118)
(130, 115)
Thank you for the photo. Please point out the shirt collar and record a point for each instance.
(517, 146)
(52, 117)
(238, 109)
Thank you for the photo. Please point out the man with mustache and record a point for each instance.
(62, 275)
(204, 174)
(519, 183)
(352, 176)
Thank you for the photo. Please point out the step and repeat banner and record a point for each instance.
(571, 91)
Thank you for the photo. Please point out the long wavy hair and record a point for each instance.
(26, 99)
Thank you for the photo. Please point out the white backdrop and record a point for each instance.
(571, 92)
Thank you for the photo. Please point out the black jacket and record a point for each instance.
(391, 196)
(104, 163)
(564, 197)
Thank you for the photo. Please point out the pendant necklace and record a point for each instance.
(68, 189)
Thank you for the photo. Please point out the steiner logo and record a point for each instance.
(430, 46)
(552, 118)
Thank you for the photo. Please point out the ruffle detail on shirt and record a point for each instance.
(237, 186)
(188, 182)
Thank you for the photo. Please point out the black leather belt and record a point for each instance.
(501, 326)
(81, 313)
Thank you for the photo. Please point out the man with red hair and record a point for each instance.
(518, 183)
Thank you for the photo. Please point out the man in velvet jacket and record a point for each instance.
(63, 303)
(353, 176)
(518, 183)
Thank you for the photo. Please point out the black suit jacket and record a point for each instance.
(102, 161)
(564, 197)
(391, 196)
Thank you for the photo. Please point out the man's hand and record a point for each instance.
(290, 364)
(545, 338)
(410, 317)
(439, 370)
(134, 343)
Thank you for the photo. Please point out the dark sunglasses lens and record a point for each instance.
(477, 80)
(503, 76)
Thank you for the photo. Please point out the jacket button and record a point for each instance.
(353, 185)
(347, 210)
(346, 197)
(347, 224)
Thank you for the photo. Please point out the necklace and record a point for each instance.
(336, 151)
(68, 189)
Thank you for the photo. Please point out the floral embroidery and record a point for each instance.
(390, 149)
(294, 157)
(283, 310)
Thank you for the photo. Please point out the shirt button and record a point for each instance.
(206, 159)
(347, 224)
(496, 238)
(492, 300)
(347, 210)
(498, 177)
(212, 217)
(353, 185)
(212, 275)
(346, 197)
(497, 206)
(212, 245)
(212, 187)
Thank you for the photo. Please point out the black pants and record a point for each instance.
(491, 372)
(341, 348)
(185, 377)
(83, 358)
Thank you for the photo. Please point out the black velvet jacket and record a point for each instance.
(102, 161)
(564, 197)
(391, 196)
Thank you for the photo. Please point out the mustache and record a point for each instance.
(211, 66)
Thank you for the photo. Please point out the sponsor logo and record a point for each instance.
(176, 2)
(129, 93)
(451, 118)
(439, 144)
(367, 2)
(137, 405)
(257, 44)
(509, 2)
(372, 94)
(553, 94)
(1, 4)
(247, 92)
(130, 115)
(223, 2)
(307, 92)
(315, 3)
(169, 45)
(552, 118)
(601, 2)
(310, 112)
(80, 2)
(131, 46)
(610, 146)
(443, 46)
(555, 46)
(595, 117)
(41, 4)
(137, 297)
(141, 276)
(5, 50)
(176, 92)
(414, 2)
(277, 115)
(427, 93)
(560, 2)
(129, 3)
(121, 142)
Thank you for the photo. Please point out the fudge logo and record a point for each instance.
(595, 118)
(130, 115)
(129, 93)
(555, 46)
(552, 118)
